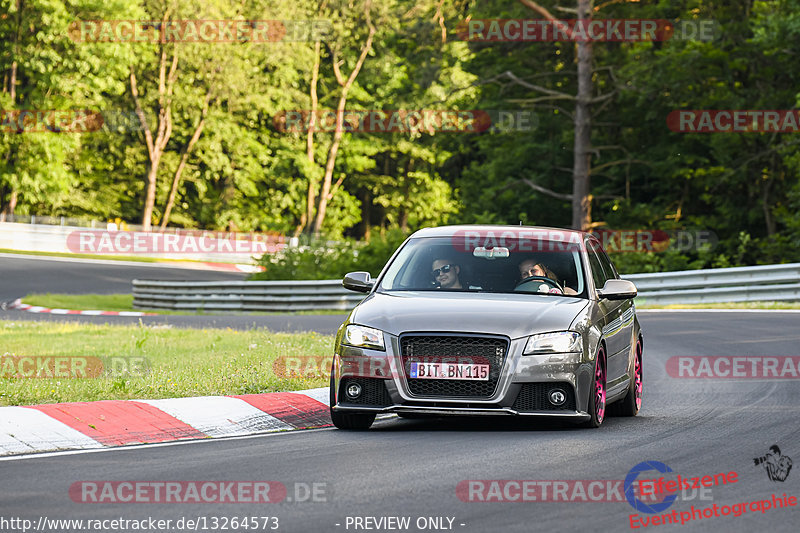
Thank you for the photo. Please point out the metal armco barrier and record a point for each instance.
(741, 284)
(243, 295)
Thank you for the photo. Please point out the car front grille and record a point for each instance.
(534, 397)
(469, 349)
(373, 392)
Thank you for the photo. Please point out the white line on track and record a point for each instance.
(718, 310)
(155, 445)
(134, 447)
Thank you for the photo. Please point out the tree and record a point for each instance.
(45, 70)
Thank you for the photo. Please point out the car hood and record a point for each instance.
(514, 315)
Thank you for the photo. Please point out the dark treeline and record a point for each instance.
(243, 135)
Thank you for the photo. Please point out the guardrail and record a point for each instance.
(741, 284)
(243, 295)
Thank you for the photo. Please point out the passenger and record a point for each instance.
(445, 274)
(529, 268)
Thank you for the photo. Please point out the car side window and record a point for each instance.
(598, 275)
(608, 266)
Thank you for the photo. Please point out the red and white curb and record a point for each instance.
(107, 423)
(17, 304)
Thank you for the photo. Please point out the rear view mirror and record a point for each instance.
(618, 289)
(358, 281)
(490, 253)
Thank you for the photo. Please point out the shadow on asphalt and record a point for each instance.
(478, 424)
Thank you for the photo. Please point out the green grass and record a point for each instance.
(95, 302)
(105, 302)
(182, 362)
(728, 305)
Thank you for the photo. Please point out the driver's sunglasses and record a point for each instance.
(443, 270)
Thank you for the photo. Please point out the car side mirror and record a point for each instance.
(358, 281)
(618, 289)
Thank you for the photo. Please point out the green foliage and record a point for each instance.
(330, 260)
(246, 173)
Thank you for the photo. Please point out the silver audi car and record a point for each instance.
(490, 320)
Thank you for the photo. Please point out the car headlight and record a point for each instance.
(364, 337)
(558, 342)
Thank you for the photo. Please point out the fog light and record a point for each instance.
(558, 397)
(353, 391)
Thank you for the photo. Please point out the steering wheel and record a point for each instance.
(539, 284)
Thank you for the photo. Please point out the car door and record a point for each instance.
(613, 330)
(626, 315)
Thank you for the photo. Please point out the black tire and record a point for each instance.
(349, 420)
(630, 405)
(597, 406)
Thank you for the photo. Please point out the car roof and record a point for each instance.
(449, 231)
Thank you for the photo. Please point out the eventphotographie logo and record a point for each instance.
(777, 465)
(634, 500)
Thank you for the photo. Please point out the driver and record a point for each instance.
(529, 268)
(445, 273)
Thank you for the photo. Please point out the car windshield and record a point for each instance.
(470, 265)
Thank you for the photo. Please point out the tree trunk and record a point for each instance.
(311, 194)
(184, 157)
(581, 169)
(150, 193)
(9, 208)
(766, 186)
(337, 136)
(157, 144)
(12, 90)
(366, 201)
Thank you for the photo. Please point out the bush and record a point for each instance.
(330, 260)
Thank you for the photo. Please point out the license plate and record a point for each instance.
(449, 371)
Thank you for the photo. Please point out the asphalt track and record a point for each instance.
(22, 275)
(412, 467)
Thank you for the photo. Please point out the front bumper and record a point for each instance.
(572, 372)
(463, 411)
